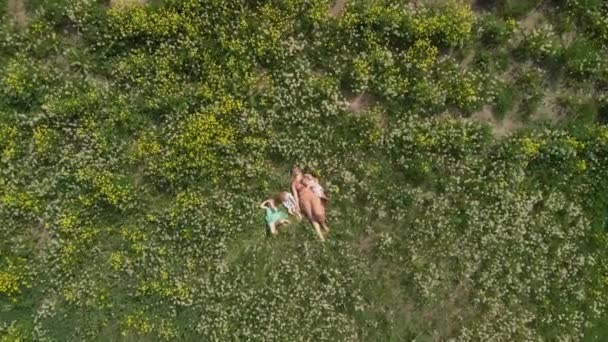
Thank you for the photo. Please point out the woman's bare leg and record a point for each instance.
(318, 230)
(325, 227)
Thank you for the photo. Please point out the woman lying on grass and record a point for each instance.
(310, 204)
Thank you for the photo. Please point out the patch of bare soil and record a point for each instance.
(468, 59)
(550, 109)
(533, 20)
(41, 235)
(360, 103)
(337, 8)
(500, 128)
(367, 243)
(16, 10)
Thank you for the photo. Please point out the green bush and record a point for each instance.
(518, 8)
(495, 32)
(506, 100)
(467, 90)
(542, 46)
(585, 60)
(448, 24)
(530, 84)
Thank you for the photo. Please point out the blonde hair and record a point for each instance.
(283, 196)
(295, 171)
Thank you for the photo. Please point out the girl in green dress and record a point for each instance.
(274, 216)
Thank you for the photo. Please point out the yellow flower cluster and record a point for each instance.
(143, 324)
(424, 140)
(578, 145)
(43, 139)
(136, 237)
(111, 191)
(138, 322)
(199, 143)
(275, 22)
(22, 200)
(132, 21)
(530, 147)
(452, 29)
(204, 130)
(67, 223)
(581, 165)
(104, 186)
(147, 146)
(229, 105)
(14, 333)
(117, 260)
(8, 144)
(422, 54)
(12, 278)
(15, 78)
(9, 283)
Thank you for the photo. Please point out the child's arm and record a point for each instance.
(263, 205)
(271, 204)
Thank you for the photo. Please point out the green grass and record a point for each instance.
(136, 143)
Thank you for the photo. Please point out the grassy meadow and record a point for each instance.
(464, 146)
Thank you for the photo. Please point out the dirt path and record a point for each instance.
(500, 128)
(532, 21)
(360, 103)
(16, 9)
(337, 8)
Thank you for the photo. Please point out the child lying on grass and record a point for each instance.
(290, 203)
(274, 216)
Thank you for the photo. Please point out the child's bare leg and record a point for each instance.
(324, 226)
(318, 230)
(296, 214)
(273, 229)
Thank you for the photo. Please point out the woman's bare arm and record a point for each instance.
(294, 192)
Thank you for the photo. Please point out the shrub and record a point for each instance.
(518, 8)
(20, 82)
(467, 90)
(13, 277)
(138, 23)
(448, 24)
(505, 101)
(542, 46)
(495, 32)
(583, 59)
(530, 84)
(421, 56)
